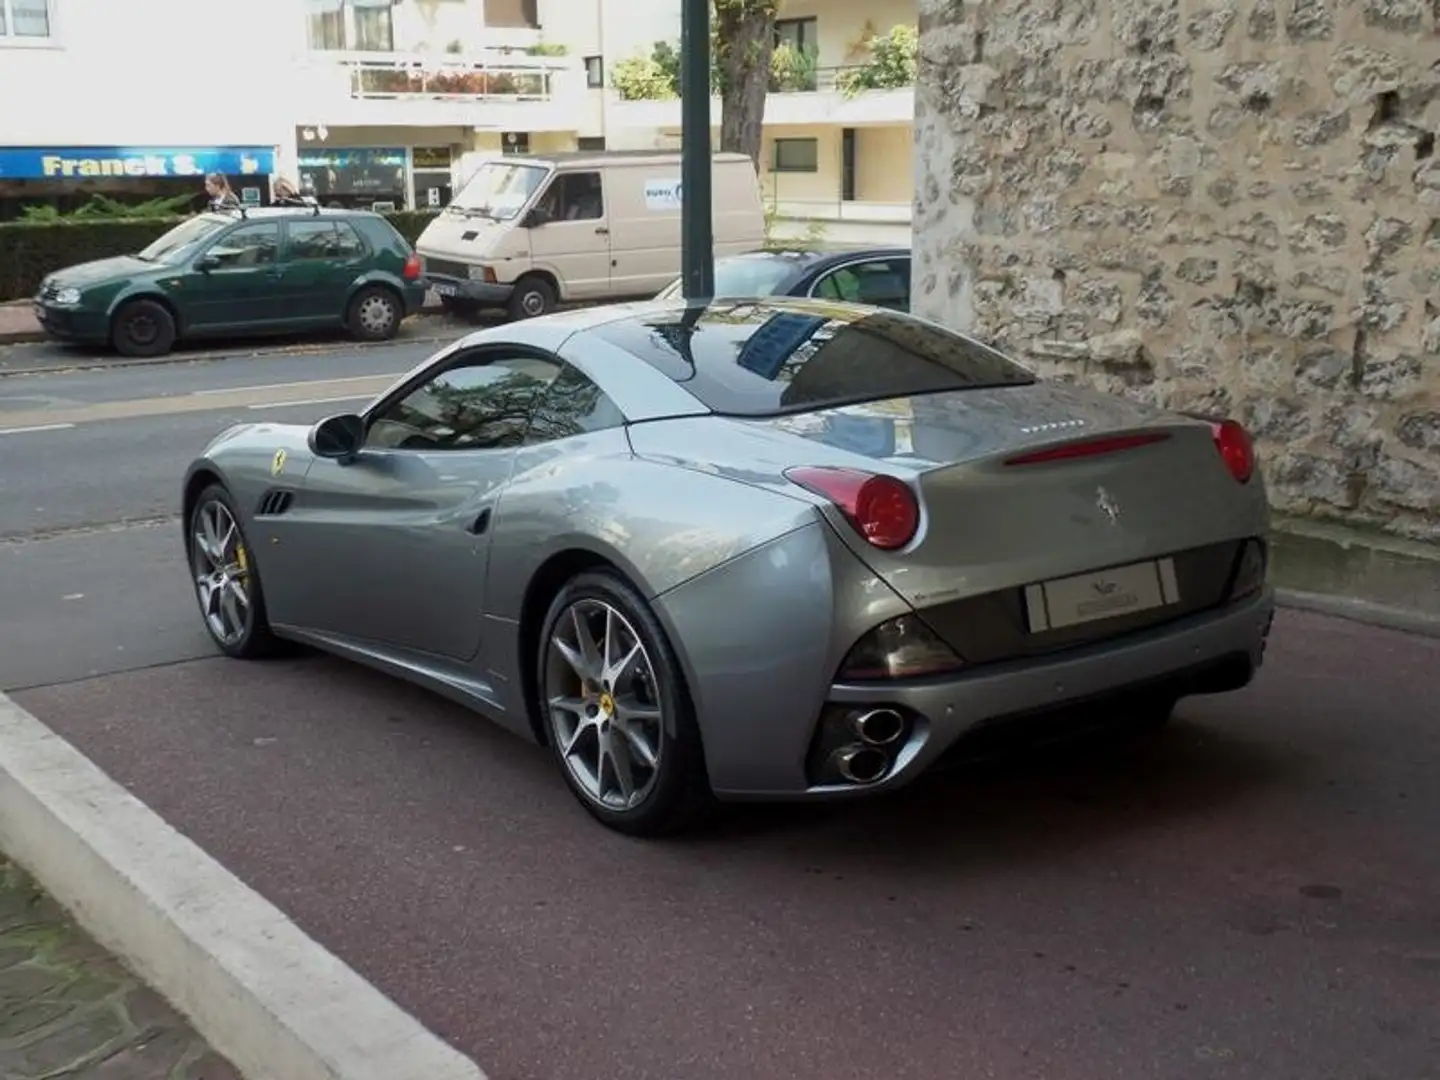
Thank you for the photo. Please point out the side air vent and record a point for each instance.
(275, 502)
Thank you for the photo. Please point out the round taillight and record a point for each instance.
(1236, 449)
(886, 512)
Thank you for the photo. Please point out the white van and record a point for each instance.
(528, 232)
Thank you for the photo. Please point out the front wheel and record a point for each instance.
(532, 297)
(227, 582)
(143, 329)
(617, 716)
(375, 314)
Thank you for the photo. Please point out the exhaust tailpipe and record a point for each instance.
(861, 764)
(878, 727)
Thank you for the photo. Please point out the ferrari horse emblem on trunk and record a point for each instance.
(1107, 504)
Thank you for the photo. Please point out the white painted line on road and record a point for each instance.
(34, 428)
(311, 401)
(256, 987)
(289, 385)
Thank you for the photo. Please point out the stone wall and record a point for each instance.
(1226, 205)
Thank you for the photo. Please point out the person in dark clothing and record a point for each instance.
(286, 194)
(221, 195)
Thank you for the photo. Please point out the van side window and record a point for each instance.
(575, 197)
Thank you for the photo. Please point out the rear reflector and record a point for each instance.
(883, 509)
(1089, 448)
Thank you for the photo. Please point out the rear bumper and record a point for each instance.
(486, 293)
(1212, 652)
(72, 324)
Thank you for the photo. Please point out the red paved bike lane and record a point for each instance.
(1252, 894)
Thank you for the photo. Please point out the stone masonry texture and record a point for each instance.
(1214, 205)
(69, 1010)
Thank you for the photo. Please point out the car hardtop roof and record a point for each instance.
(580, 158)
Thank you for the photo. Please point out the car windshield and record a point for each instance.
(748, 275)
(182, 237)
(778, 357)
(499, 189)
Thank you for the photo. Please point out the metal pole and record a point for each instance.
(697, 246)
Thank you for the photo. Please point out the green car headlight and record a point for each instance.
(67, 296)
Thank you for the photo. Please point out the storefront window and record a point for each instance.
(351, 25)
(25, 19)
(354, 177)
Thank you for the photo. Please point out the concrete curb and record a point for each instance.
(1361, 611)
(260, 991)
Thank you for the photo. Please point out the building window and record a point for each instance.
(515, 142)
(590, 143)
(351, 25)
(795, 155)
(513, 14)
(594, 72)
(800, 34)
(25, 21)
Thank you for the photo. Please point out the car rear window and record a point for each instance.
(781, 356)
(748, 275)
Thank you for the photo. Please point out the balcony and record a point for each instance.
(503, 89)
(829, 98)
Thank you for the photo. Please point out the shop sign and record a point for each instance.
(135, 162)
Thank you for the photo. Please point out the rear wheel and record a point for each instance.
(616, 713)
(142, 329)
(375, 314)
(533, 297)
(227, 582)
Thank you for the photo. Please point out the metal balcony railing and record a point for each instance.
(503, 75)
(802, 80)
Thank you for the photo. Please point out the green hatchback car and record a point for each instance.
(233, 273)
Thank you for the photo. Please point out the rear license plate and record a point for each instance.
(1104, 594)
(446, 290)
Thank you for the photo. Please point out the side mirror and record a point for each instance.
(206, 263)
(337, 437)
(535, 218)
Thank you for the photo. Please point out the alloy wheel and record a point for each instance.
(604, 707)
(222, 573)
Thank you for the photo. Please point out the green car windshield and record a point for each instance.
(182, 237)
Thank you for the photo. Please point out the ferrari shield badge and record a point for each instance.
(277, 463)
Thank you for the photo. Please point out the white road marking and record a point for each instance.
(34, 428)
(311, 401)
(288, 385)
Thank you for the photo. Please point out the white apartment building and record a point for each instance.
(393, 102)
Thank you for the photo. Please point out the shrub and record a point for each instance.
(31, 249)
(894, 62)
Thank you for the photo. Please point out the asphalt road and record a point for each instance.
(1253, 894)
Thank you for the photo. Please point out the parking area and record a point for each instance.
(1253, 893)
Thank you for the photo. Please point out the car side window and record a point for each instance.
(572, 405)
(256, 244)
(874, 283)
(483, 404)
(574, 197)
(322, 239)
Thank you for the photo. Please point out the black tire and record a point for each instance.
(680, 797)
(257, 640)
(460, 306)
(143, 329)
(375, 314)
(532, 298)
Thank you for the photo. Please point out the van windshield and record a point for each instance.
(499, 189)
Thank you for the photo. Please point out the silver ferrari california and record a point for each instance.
(745, 550)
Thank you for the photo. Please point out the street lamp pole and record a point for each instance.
(697, 248)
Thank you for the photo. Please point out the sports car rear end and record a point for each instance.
(995, 552)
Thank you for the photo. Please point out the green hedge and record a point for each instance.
(30, 250)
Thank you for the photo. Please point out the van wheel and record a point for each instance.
(532, 298)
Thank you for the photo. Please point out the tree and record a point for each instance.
(742, 42)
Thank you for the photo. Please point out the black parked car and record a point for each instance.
(879, 277)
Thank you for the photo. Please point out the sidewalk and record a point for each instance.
(17, 323)
(68, 1009)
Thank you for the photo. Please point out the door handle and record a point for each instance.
(602, 231)
(480, 524)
